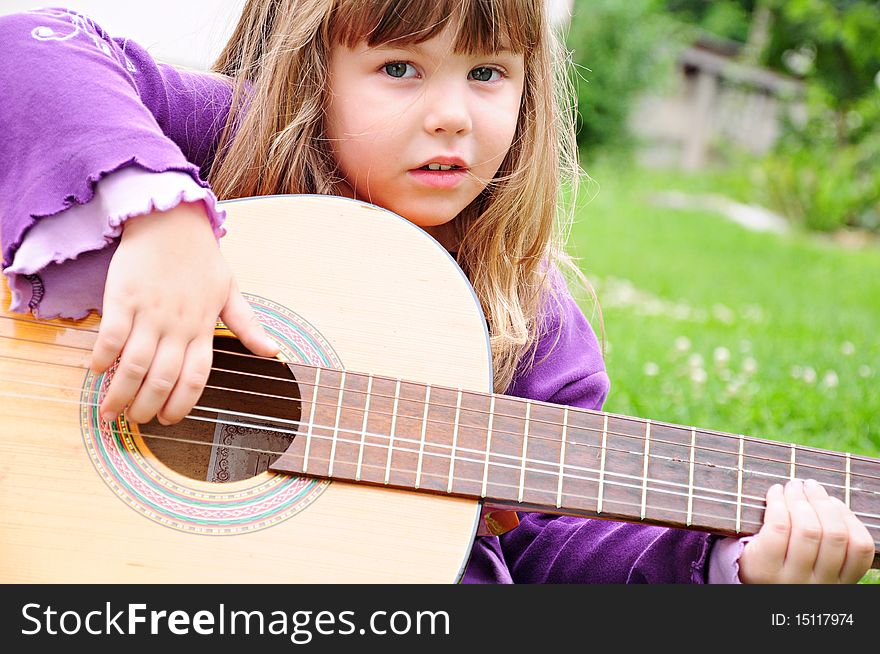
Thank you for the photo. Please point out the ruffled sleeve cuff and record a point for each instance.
(60, 268)
(724, 560)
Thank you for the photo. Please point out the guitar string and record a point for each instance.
(397, 438)
(747, 524)
(639, 454)
(480, 462)
(577, 410)
(337, 405)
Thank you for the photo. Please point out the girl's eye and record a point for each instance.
(484, 74)
(398, 69)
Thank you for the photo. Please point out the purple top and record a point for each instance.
(103, 106)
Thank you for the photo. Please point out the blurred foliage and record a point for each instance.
(824, 172)
(619, 49)
(728, 19)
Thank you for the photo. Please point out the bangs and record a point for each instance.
(480, 26)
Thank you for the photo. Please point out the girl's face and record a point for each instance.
(393, 110)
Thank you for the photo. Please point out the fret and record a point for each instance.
(739, 485)
(791, 473)
(667, 474)
(562, 458)
(360, 460)
(422, 439)
(827, 469)
(468, 465)
(645, 468)
(393, 429)
(522, 474)
(336, 425)
(305, 465)
(602, 464)
(764, 464)
(691, 457)
(848, 469)
(624, 465)
(454, 440)
(716, 481)
(488, 446)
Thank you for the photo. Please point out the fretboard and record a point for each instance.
(531, 455)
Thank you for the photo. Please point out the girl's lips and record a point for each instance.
(439, 178)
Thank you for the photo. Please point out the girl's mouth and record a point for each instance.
(436, 176)
(440, 167)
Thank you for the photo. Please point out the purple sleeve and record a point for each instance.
(60, 269)
(86, 105)
(563, 549)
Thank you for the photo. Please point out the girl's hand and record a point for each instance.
(807, 537)
(166, 285)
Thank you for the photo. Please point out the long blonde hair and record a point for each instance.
(512, 235)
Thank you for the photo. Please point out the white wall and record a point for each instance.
(185, 32)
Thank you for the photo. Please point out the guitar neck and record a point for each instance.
(529, 455)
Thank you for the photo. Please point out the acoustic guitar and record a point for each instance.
(364, 453)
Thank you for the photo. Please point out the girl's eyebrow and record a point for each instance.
(417, 48)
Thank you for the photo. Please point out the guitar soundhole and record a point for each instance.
(250, 411)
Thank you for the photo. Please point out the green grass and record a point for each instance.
(799, 320)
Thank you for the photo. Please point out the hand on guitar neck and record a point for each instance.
(807, 537)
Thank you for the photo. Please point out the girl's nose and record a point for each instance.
(447, 111)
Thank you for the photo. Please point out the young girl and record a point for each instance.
(450, 113)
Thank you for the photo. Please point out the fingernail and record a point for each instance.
(811, 483)
(776, 488)
(109, 416)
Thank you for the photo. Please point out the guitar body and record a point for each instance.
(338, 283)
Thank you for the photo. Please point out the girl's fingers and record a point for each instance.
(834, 534)
(765, 555)
(860, 547)
(112, 335)
(159, 381)
(242, 321)
(806, 535)
(134, 363)
(193, 377)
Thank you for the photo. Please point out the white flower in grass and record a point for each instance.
(699, 376)
(797, 372)
(723, 313)
(750, 366)
(695, 360)
(682, 344)
(830, 379)
(864, 371)
(753, 313)
(681, 312)
(651, 369)
(809, 375)
(721, 355)
(847, 349)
